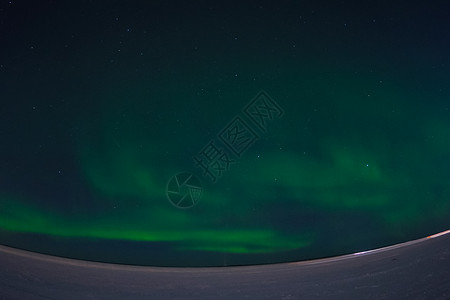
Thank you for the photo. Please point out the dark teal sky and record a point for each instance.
(103, 102)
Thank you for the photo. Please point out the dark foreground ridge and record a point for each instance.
(416, 269)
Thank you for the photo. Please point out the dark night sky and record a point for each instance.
(103, 102)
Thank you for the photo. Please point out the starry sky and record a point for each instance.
(103, 102)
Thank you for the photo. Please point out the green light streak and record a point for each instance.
(21, 217)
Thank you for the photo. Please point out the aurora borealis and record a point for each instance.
(102, 105)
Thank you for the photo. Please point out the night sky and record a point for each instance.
(103, 102)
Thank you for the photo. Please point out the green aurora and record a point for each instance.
(361, 169)
(359, 160)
